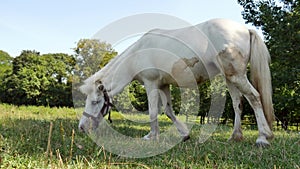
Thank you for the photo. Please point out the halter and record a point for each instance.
(104, 110)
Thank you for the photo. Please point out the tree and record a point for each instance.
(23, 83)
(138, 96)
(5, 64)
(40, 80)
(91, 55)
(280, 24)
(5, 68)
(59, 74)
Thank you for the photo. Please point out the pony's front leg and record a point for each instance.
(167, 103)
(153, 104)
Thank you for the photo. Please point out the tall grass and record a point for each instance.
(42, 137)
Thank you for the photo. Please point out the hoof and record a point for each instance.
(145, 138)
(270, 137)
(151, 136)
(262, 142)
(262, 145)
(186, 138)
(236, 138)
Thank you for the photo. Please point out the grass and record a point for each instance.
(25, 143)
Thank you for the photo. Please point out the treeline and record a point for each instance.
(35, 79)
(280, 24)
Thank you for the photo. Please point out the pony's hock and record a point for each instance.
(187, 57)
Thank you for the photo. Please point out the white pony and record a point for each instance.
(181, 57)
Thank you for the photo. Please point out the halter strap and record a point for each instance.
(104, 110)
(107, 104)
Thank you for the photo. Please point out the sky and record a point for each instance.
(55, 26)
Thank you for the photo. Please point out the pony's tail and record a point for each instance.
(260, 74)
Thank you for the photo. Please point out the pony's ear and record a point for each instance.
(100, 86)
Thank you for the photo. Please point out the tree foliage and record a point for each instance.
(91, 55)
(5, 64)
(138, 96)
(35, 79)
(39, 80)
(5, 68)
(280, 24)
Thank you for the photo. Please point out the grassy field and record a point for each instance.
(25, 143)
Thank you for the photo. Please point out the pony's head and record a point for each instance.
(97, 105)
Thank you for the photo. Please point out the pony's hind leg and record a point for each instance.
(234, 65)
(167, 104)
(253, 98)
(236, 97)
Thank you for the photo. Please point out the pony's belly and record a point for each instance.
(188, 72)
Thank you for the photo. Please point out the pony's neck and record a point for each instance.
(116, 75)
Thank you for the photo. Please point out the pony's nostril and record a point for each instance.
(81, 128)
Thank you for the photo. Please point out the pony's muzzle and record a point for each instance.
(81, 128)
(87, 125)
